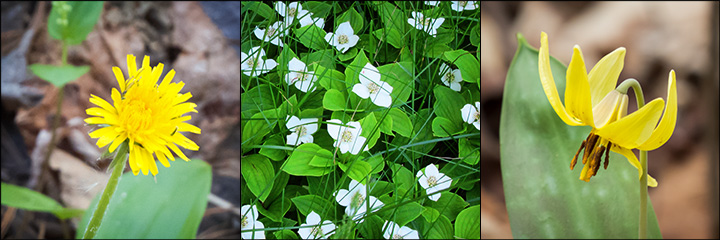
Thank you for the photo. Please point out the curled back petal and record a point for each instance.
(634, 129)
(577, 89)
(665, 129)
(548, 84)
(630, 156)
(605, 73)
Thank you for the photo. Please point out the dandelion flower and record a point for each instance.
(371, 86)
(429, 25)
(249, 221)
(394, 231)
(149, 116)
(344, 37)
(450, 77)
(317, 231)
(433, 181)
(471, 114)
(354, 201)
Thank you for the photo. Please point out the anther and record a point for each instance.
(574, 160)
(591, 141)
(597, 158)
(607, 154)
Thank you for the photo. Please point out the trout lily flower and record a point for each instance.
(299, 75)
(450, 77)
(348, 139)
(272, 33)
(313, 229)
(147, 115)
(302, 130)
(354, 199)
(249, 221)
(394, 231)
(344, 37)
(252, 63)
(590, 100)
(371, 86)
(433, 181)
(429, 25)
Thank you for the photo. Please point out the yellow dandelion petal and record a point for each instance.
(132, 65)
(120, 78)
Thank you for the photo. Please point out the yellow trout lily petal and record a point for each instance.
(548, 84)
(630, 156)
(604, 75)
(634, 129)
(577, 89)
(665, 129)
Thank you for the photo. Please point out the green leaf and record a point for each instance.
(467, 63)
(312, 203)
(392, 17)
(279, 184)
(334, 100)
(391, 36)
(386, 124)
(368, 123)
(469, 153)
(258, 172)
(318, 9)
(322, 159)
(171, 208)
(58, 75)
(350, 54)
(283, 62)
(449, 205)
(257, 99)
(261, 9)
(286, 234)
(24, 198)
(403, 214)
(398, 75)
(276, 209)
(371, 228)
(330, 78)
(355, 19)
(536, 176)
(358, 170)
(299, 162)
(325, 58)
(311, 36)
(430, 214)
(80, 21)
(402, 176)
(352, 71)
(440, 229)
(443, 127)
(401, 122)
(435, 50)
(467, 222)
(475, 36)
(448, 104)
(273, 153)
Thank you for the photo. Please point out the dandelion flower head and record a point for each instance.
(149, 116)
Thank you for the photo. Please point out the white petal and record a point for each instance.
(328, 227)
(292, 122)
(343, 47)
(423, 180)
(329, 39)
(431, 170)
(357, 145)
(477, 106)
(276, 41)
(409, 233)
(292, 139)
(369, 74)
(280, 8)
(297, 6)
(467, 113)
(245, 211)
(385, 87)
(458, 75)
(443, 69)
(356, 129)
(477, 125)
(417, 15)
(307, 138)
(345, 29)
(343, 197)
(310, 124)
(344, 147)
(320, 22)
(390, 228)
(375, 204)
(444, 182)
(356, 187)
(353, 40)
(269, 64)
(334, 129)
(455, 86)
(243, 57)
(361, 91)
(259, 33)
(296, 65)
(382, 99)
(304, 86)
(313, 218)
(412, 22)
(304, 231)
(434, 197)
(437, 23)
(432, 3)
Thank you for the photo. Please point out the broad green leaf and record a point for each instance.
(352, 71)
(435, 50)
(307, 203)
(401, 122)
(368, 124)
(280, 182)
(299, 162)
(403, 214)
(286, 234)
(261, 9)
(322, 159)
(391, 36)
(318, 9)
(274, 153)
(376, 163)
(467, 63)
(440, 229)
(283, 62)
(358, 170)
(475, 36)
(467, 222)
(449, 205)
(469, 153)
(58, 75)
(350, 54)
(444, 35)
(398, 75)
(371, 228)
(325, 58)
(258, 173)
(430, 214)
(276, 209)
(24, 198)
(392, 17)
(448, 104)
(334, 100)
(171, 208)
(402, 176)
(311, 36)
(80, 20)
(378, 188)
(258, 99)
(545, 199)
(355, 19)
(385, 124)
(330, 78)
(442, 127)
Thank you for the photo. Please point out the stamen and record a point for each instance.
(574, 160)
(597, 158)
(607, 154)
(592, 140)
(343, 39)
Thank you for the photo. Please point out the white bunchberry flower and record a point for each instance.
(302, 130)
(249, 221)
(450, 77)
(299, 75)
(371, 86)
(272, 33)
(344, 37)
(471, 114)
(317, 231)
(309, 19)
(394, 231)
(252, 63)
(347, 138)
(433, 181)
(429, 25)
(432, 3)
(354, 201)
(460, 6)
(290, 12)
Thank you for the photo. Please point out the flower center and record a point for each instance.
(592, 157)
(450, 77)
(343, 39)
(397, 236)
(251, 62)
(346, 136)
(270, 32)
(373, 88)
(301, 131)
(432, 181)
(424, 21)
(477, 116)
(136, 116)
(292, 12)
(357, 200)
(244, 222)
(463, 3)
(316, 231)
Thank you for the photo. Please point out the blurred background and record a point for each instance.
(658, 36)
(200, 40)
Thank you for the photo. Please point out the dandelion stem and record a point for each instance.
(97, 216)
